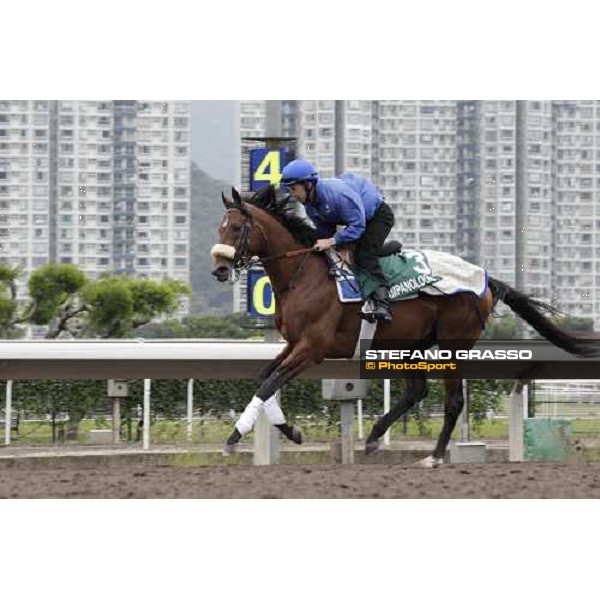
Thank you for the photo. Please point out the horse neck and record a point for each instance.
(277, 241)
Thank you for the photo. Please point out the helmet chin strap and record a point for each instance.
(309, 189)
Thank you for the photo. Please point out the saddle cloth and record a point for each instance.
(410, 272)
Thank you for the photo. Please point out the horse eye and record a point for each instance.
(236, 228)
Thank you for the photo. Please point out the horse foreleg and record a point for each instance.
(415, 391)
(274, 363)
(299, 359)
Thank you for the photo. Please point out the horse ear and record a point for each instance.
(226, 202)
(272, 192)
(237, 199)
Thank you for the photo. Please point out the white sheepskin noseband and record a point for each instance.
(222, 251)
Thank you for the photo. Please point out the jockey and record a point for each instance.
(349, 200)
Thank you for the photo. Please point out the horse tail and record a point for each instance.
(530, 309)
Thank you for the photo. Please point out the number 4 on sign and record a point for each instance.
(269, 168)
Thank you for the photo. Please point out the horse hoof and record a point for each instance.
(371, 447)
(229, 449)
(296, 435)
(430, 462)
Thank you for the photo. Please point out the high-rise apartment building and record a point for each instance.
(25, 182)
(253, 118)
(499, 226)
(334, 134)
(101, 184)
(416, 169)
(575, 209)
(450, 171)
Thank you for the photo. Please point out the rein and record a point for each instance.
(290, 254)
(242, 261)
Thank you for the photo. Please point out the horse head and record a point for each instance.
(239, 240)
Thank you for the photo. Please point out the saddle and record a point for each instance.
(348, 285)
(391, 247)
(409, 273)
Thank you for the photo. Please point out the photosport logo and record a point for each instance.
(489, 359)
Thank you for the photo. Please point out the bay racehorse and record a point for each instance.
(316, 325)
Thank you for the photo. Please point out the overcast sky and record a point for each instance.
(215, 138)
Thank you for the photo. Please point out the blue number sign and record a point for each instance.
(265, 167)
(261, 300)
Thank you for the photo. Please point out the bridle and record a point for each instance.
(242, 260)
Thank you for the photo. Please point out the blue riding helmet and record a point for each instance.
(297, 171)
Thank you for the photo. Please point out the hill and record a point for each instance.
(209, 296)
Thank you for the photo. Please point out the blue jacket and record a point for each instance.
(350, 200)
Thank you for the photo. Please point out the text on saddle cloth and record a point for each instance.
(409, 272)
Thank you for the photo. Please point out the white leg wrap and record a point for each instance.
(273, 411)
(247, 419)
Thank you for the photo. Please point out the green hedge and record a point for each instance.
(300, 397)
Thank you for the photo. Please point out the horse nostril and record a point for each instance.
(221, 273)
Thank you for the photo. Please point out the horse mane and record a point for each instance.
(283, 207)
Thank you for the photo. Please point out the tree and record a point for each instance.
(229, 327)
(113, 306)
(10, 316)
(52, 296)
(117, 305)
(53, 290)
(69, 304)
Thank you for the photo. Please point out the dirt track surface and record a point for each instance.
(516, 480)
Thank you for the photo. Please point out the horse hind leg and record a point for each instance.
(459, 329)
(453, 406)
(415, 391)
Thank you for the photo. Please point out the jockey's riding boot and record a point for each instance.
(381, 300)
